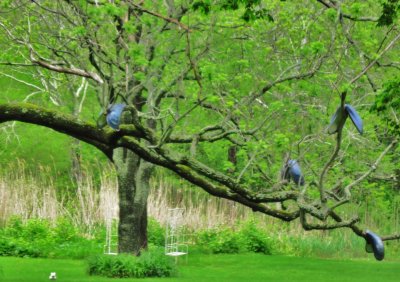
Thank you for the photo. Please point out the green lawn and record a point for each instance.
(200, 267)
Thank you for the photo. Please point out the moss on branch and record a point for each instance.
(103, 139)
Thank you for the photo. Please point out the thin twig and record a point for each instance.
(373, 62)
(373, 166)
(171, 20)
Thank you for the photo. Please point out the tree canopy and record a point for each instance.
(224, 93)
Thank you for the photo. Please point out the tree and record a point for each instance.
(199, 80)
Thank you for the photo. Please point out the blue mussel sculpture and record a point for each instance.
(340, 116)
(114, 115)
(374, 244)
(292, 171)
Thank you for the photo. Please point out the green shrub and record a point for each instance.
(14, 227)
(156, 263)
(219, 240)
(246, 237)
(7, 247)
(111, 266)
(155, 233)
(18, 248)
(37, 238)
(24, 239)
(64, 231)
(255, 239)
(152, 263)
(36, 229)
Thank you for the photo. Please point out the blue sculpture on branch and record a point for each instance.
(374, 244)
(292, 171)
(340, 116)
(114, 115)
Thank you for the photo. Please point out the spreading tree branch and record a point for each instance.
(106, 140)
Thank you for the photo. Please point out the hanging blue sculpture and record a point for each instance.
(355, 118)
(340, 116)
(292, 171)
(114, 115)
(374, 244)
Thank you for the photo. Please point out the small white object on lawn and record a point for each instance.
(53, 276)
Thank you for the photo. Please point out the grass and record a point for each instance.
(200, 267)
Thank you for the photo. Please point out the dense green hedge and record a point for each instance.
(40, 238)
(247, 237)
(151, 263)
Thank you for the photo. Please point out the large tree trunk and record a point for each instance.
(133, 189)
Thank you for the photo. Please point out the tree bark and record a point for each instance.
(133, 189)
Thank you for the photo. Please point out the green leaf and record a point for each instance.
(317, 47)
(202, 6)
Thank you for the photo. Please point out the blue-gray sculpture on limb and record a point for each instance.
(292, 171)
(114, 115)
(374, 244)
(340, 116)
